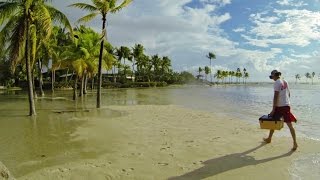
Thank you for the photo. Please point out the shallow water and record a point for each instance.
(28, 144)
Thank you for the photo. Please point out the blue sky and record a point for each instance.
(257, 35)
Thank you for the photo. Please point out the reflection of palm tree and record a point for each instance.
(214, 166)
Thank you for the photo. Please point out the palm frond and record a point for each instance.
(122, 5)
(43, 19)
(88, 17)
(17, 42)
(84, 6)
(7, 9)
(59, 17)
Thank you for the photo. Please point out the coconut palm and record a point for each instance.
(207, 70)
(297, 76)
(308, 75)
(137, 53)
(155, 61)
(20, 21)
(246, 76)
(103, 8)
(199, 71)
(244, 73)
(211, 56)
(312, 76)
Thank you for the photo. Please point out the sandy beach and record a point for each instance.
(172, 142)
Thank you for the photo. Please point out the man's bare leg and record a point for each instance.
(293, 134)
(268, 140)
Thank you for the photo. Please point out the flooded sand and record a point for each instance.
(142, 134)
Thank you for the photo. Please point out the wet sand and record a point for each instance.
(172, 142)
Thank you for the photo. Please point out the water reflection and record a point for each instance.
(28, 144)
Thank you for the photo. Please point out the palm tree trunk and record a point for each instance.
(132, 70)
(92, 83)
(210, 71)
(52, 80)
(82, 87)
(40, 77)
(104, 32)
(34, 86)
(113, 74)
(75, 88)
(32, 109)
(85, 84)
(67, 75)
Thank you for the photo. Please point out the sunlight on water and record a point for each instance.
(306, 168)
(28, 144)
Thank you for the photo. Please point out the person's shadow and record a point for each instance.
(225, 163)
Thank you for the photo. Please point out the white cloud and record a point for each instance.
(168, 27)
(239, 30)
(290, 27)
(292, 3)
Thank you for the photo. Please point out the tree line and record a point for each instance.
(223, 76)
(31, 40)
(308, 76)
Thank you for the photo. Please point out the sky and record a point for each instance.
(259, 35)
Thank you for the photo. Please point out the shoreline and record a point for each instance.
(173, 142)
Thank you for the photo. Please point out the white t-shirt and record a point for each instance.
(283, 88)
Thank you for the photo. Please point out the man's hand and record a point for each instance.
(272, 112)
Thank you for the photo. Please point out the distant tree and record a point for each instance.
(246, 76)
(211, 56)
(297, 76)
(312, 76)
(244, 73)
(207, 71)
(199, 72)
(308, 75)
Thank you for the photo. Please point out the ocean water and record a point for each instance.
(29, 140)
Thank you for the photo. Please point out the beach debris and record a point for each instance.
(163, 164)
(5, 173)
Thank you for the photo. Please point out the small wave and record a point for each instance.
(306, 168)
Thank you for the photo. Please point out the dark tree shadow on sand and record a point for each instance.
(229, 162)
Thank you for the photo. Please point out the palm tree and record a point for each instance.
(246, 76)
(207, 70)
(20, 21)
(102, 7)
(137, 53)
(297, 76)
(211, 56)
(238, 75)
(218, 75)
(312, 76)
(199, 71)
(155, 61)
(244, 73)
(308, 75)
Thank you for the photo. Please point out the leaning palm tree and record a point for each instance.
(211, 56)
(102, 7)
(20, 21)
